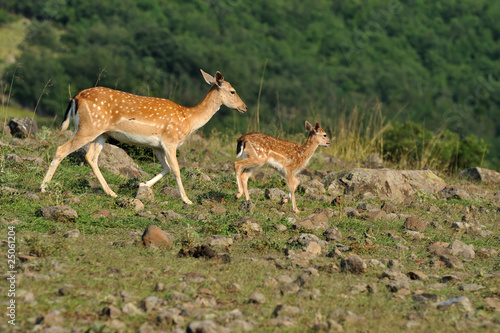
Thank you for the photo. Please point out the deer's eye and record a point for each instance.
(324, 135)
(233, 92)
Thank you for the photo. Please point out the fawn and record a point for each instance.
(286, 157)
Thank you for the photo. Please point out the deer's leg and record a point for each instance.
(62, 151)
(160, 154)
(292, 183)
(238, 169)
(244, 181)
(92, 158)
(296, 182)
(172, 162)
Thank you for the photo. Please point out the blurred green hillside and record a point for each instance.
(435, 63)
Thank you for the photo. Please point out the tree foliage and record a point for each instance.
(431, 62)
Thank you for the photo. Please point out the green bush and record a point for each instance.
(410, 144)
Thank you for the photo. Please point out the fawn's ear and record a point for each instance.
(308, 126)
(316, 128)
(208, 78)
(219, 79)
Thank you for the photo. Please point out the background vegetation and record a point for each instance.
(432, 63)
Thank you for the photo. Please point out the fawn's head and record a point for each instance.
(227, 93)
(318, 134)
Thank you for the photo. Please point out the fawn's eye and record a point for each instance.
(233, 92)
(324, 135)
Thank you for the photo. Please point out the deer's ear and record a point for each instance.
(219, 79)
(316, 128)
(308, 126)
(208, 78)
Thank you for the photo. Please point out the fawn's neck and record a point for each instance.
(307, 149)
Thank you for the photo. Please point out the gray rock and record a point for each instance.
(415, 224)
(313, 187)
(275, 194)
(482, 175)
(150, 303)
(257, 298)
(247, 206)
(74, 233)
(131, 309)
(111, 312)
(240, 325)
(59, 213)
(451, 192)
(330, 326)
(396, 285)
(451, 261)
(145, 194)
(115, 160)
(23, 127)
(393, 185)
(205, 326)
(286, 310)
(333, 234)
(373, 161)
(154, 236)
(458, 248)
(470, 287)
(353, 264)
(171, 215)
(218, 240)
(462, 302)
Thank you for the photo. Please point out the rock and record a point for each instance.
(59, 213)
(438, 249)
(451, 192)
(461, 302)
(286, 310)
(373, 161)
(458, 248)
(156, 237)
(218, 210)
(319, 221)
(313, 247)
(171, 215)
(417, 275)
(74, 233)
(392, 274)
(482, 175)
(470, 287)
(23, 127)
(493, 303)
(219, 240)
(111, 312)
(239, 325)
(53, 318)
(312, 187)
(257, 298)
(281, 227)
(451, 261)
(353, 264)
(129, 203)
(205, 326)
(113, 159)
(145, 194)
(333, 234)
(131, 309)
(397, 285)
(330, 326)
(247, 206)
(394, 185)
(248, 225)
(414, 223)
(150, 303)
(275, 194)
(389, 207)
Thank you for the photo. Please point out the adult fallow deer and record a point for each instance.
(286, 157)
(157, 123)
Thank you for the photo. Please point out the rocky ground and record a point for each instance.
(373, 249)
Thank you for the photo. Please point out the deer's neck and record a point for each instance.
(204, 111)
(307, 149)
